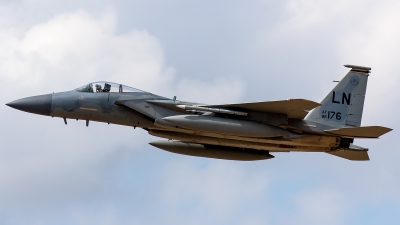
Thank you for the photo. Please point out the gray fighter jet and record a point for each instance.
(240, 131)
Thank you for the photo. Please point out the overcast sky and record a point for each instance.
(205, 51)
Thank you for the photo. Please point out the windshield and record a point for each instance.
(103, 86)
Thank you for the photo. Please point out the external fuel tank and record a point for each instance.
(211, 151)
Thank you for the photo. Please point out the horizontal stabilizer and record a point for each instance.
(293, 108)
(356, 155)
(360, 132)
(353, 153)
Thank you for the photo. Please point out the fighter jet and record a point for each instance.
(239, 131)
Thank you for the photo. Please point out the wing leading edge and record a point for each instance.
(293, 108)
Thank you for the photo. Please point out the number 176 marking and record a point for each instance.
(336, 115)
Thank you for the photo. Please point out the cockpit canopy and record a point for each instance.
(103, 86)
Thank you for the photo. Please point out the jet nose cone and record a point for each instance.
(40, 104)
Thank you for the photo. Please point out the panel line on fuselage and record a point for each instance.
(88, 109)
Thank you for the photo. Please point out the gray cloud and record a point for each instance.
(52, 173)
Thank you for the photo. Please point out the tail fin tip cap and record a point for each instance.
(360, 68)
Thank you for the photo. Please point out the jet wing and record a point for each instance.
(360, 132)
(293, 108)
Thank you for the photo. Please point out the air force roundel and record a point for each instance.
(354, 80)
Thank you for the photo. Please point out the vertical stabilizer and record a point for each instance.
(343, 106)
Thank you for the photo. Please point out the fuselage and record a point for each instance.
(238, 131)
(152, 112)
(100, 107)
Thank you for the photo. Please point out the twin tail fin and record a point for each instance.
(343, 106)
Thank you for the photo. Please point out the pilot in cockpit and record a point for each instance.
(98, 88)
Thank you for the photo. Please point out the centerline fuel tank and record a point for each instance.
(211, 151)
(227, 126)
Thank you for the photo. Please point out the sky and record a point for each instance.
(203, 51)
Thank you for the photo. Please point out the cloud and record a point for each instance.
(218, 91)
(50, 172)
(185, 183)
(61, 54)
(75, 48)
(352, 32)
(53, 167)
(375, 44)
